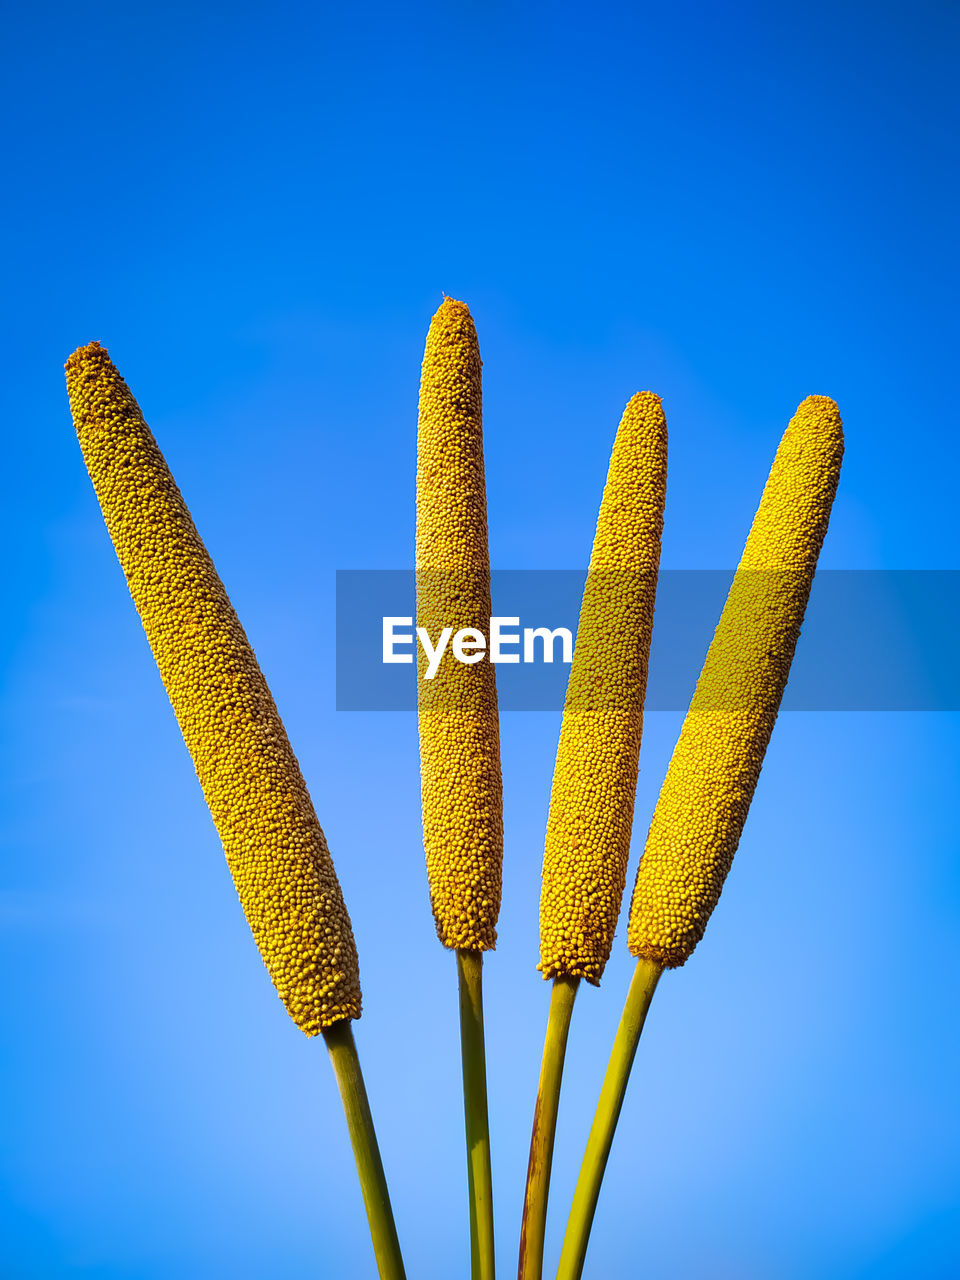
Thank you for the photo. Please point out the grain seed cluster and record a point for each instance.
(595, 779)
(461, 784)
(703, 804)
(273, 842)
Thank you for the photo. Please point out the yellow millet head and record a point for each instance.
(461, 784)
(595, 778)
(274, 846)
(705, 796)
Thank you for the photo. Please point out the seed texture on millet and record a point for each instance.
(461, 785)
(595, 779)
(710, 782)
(273, 843)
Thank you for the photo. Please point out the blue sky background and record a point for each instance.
(256, 210)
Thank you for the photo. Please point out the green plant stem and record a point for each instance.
(645, 978)
(470, 974)
(534, 1224)
(373, 1184)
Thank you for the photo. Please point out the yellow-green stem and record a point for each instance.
(470, 974)
(534, 1224)
(645, 978)
(373, 1184)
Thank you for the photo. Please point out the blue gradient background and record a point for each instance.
(256, 210)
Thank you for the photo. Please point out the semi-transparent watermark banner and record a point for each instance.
(872, 640)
